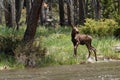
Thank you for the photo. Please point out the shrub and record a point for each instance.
(12, 46)
(103, 27)
(8, 44)
(117, 32)
(30, 54)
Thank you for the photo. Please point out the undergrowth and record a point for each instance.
(56, 44)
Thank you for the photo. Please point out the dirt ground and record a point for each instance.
(89, 71)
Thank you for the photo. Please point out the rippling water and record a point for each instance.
(89, 71)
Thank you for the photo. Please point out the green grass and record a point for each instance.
(59, 47)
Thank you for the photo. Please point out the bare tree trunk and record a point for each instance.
(61, 12)
(42, 16)
(76, 12)
(70, 11)
(97, 11)
(50, 8)
(119, 7)
(44, 13)
(86, 8)
(10, 13)
(28, 8)
(7, 14)
(19, 7)
(92, 9)
(33, 18)
(81, 12)
(13, 12)
(0, 15)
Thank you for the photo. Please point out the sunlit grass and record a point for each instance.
(60, 48)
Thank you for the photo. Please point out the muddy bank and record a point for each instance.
(89, 71)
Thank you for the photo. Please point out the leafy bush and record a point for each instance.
(103, 27)
(12, 46)
(117, 32)
(8, 44)
(30, 54)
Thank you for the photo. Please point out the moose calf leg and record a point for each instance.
(75, 49)
(89, 53)
(90, 49)
(94, 50)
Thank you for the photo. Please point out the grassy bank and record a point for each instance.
(59, 47)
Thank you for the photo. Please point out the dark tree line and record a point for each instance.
(41, 12)
(75, 13)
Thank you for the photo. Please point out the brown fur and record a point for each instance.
(82, 39)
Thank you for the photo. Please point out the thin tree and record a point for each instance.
(13, 13)
(70, 12)
(10, 13)
(50, 8)
(61, 12)
(98, 9)
(19, 7)
(81, 12)
(1, 10)
(119, 7)
(76, 12)
(0, 15)
(44, 13)
(32, 22)
(86, 8)
(28, 8)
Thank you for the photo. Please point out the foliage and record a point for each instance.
(60, 48)
(108, 8)
(6, 60)
(8, 42)
(53, 46)
(117, 33)
(103, 27)
(30, 54)
(12, 47)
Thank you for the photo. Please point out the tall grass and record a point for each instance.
(60, 48)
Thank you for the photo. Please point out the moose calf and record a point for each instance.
(82, 39)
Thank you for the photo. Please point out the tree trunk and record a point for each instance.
(50, 8)
(81, 12)
(33, 18)
(42, 16)
(0, 15)
(119, 7)
(92, 9)
(70, 12)
(86, 8)
(44, 13)
(13, 13)
(28, 8)
(61, 12)
(96, 9)
(76, 12)
(10, 13)
(19, 7)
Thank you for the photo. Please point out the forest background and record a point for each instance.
(38, 33)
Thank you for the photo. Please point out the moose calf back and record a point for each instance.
(83, 39)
